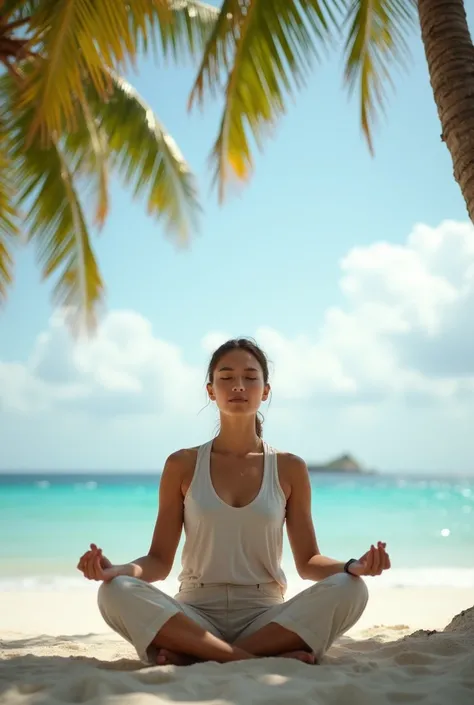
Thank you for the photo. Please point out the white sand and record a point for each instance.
(55, 649)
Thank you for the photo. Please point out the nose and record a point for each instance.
(238, 386)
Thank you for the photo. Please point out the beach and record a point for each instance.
(55, 648)
(412, 644)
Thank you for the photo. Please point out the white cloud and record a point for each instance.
(125, 369)
(404, 332)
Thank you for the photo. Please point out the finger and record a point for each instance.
(103, 560)
(376, 562)
(93, 552)
(369, 561)
(383, 558)
(89, 566)
(83, 560)
(97, 568)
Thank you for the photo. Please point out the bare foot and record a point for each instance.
(304, 656)
(165, 657)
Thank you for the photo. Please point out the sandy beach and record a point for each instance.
(411, 646)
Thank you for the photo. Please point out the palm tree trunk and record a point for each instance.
(450, 55)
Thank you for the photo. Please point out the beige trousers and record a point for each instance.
(318, 615)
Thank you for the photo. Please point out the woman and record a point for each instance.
(233, 495)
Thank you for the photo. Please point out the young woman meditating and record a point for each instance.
(233, 495)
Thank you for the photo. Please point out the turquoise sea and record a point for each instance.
(47, 521)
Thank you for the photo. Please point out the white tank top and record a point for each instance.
(233, 545)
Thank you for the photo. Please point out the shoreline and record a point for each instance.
(59, 578)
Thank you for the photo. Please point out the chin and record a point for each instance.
(239, 409)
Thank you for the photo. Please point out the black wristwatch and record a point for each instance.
(348, 564)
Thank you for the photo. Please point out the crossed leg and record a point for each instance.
(302, 628)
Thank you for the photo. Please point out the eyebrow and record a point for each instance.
(231, 369)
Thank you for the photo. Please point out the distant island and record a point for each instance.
(343, 463)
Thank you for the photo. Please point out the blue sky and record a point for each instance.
(369, 340)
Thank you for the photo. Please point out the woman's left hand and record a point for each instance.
(374, 562)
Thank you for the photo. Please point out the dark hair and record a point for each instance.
(251, 347)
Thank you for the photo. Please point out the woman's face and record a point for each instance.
(238, 385)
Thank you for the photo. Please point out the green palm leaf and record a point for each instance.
(54, 217)
(8, 220)
(55, 178)
(9, 230)
(147, 157)
(87, 150)
(57, 222)
(79, 39)
(266, 48)
(17, 9)
(376, 39)
(181, 33)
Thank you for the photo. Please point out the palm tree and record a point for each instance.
(450, 56)
(262, 51)
(67, 117)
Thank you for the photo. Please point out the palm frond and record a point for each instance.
(17, 9)
(147, 157)
(180, 33)
(8, 221)
(9, 225)
(87, 152)
(78, 39)
(266, 50)
(376, 40)
(54, 219)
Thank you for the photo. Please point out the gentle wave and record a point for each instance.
(90, 485)
(408, 578)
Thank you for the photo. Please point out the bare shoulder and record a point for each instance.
(292, 472)
(289, 462)
(182, 459)
(179, 467)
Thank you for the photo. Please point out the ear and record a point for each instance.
(210, 391)
(266, 392)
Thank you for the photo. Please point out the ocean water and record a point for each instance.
(48, 521)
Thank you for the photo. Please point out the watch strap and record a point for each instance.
(348, 564)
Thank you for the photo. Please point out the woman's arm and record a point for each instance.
(157, 564)
(309, 562)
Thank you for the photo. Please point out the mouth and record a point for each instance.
(238, 400)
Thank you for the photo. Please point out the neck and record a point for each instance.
(237, 436)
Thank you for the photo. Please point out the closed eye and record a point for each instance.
(250, 378)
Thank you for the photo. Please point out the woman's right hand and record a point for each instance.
(95, 566)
